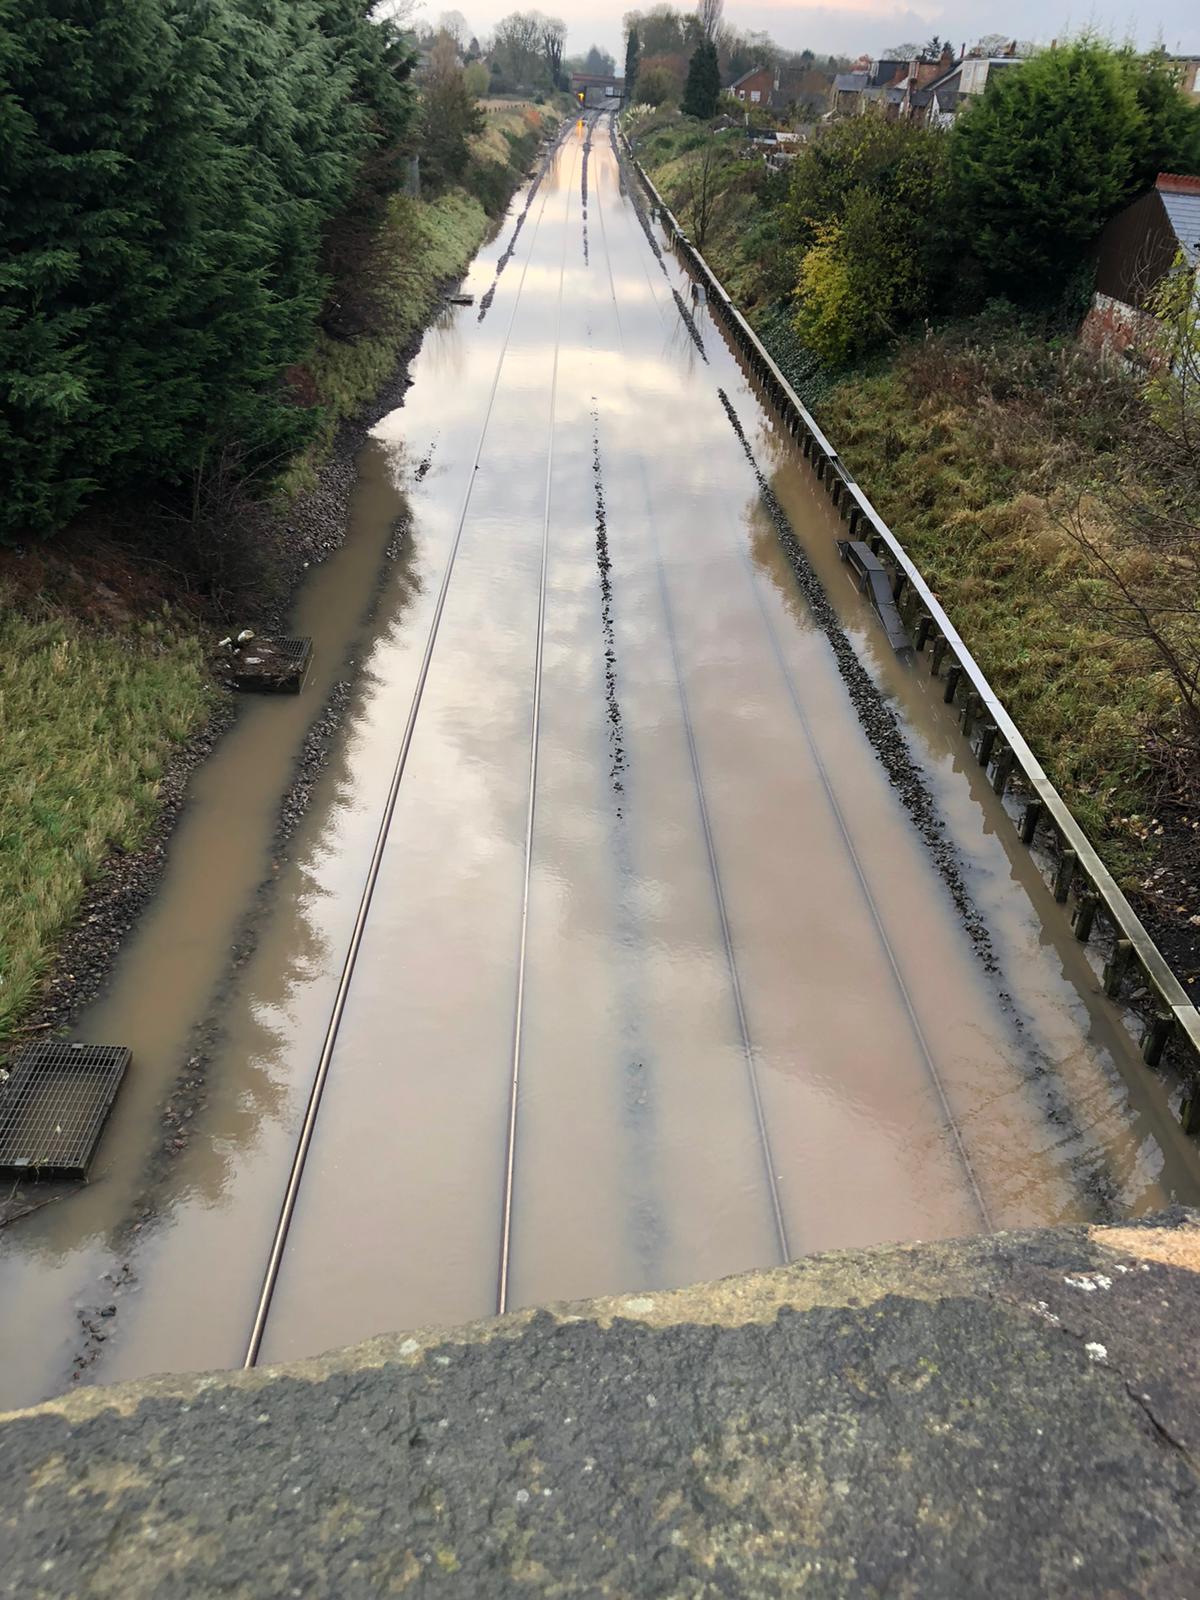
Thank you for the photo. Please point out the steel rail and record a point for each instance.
(510, 1151)
(304, 1142)
(748, 1049)
(876, 916)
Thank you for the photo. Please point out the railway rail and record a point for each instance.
(761, 1070)
(371, 877)
(843, 830)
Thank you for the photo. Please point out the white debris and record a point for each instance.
(1097, 1352)
(1089, 1282)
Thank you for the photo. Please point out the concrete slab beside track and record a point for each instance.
(1012, 1415)
(687, 951)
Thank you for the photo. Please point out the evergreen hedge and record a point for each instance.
(168, 171)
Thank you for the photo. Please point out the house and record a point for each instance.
(800, 89)
(594, 91)
(783, 89)
(917, 80)
(1136, 251)
(940, 99)
(1188, 68)
(845, 93)
(893, 84)
(854, 92)
(753, 88)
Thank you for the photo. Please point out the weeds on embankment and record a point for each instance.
(972, 451)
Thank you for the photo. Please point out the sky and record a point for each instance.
(871, 26)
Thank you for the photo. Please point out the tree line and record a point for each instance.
(663, 43)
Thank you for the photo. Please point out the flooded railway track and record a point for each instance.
(296, 1174)
(648, 922)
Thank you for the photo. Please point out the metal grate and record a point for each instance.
(273, 664)
(53, 1106)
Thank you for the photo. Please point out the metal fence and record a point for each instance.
(1097, 906)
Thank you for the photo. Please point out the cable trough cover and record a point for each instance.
(54, 1105)
(873, 582)
(274, 665)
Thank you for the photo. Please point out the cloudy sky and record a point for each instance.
(873, 25)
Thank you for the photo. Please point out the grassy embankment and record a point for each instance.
(95, 696)
(976, 444)
(423, 243)
(88, 719)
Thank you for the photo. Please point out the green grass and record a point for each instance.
(88, 721)
(971, 497)
(966, 443)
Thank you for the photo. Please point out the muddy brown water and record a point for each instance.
(750, 1021)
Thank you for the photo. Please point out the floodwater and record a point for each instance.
(707, 944)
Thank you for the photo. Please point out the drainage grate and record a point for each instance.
(53, 1106)
(276, 664)
(872, 581)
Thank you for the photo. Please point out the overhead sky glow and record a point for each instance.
(857, 26)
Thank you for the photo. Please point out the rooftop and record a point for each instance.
(1180, 196)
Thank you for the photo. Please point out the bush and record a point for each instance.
(1049, 153)
(450, 117)
(655, 86)
(868, 208)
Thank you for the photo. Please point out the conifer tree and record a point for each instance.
(703, 86)
(632, 52)
(1170, 136)
(1043, 160)
(171, 170)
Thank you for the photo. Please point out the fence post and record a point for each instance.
(1085, 916)
(1116, 966)
(1030, 818)
(1064, 876)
